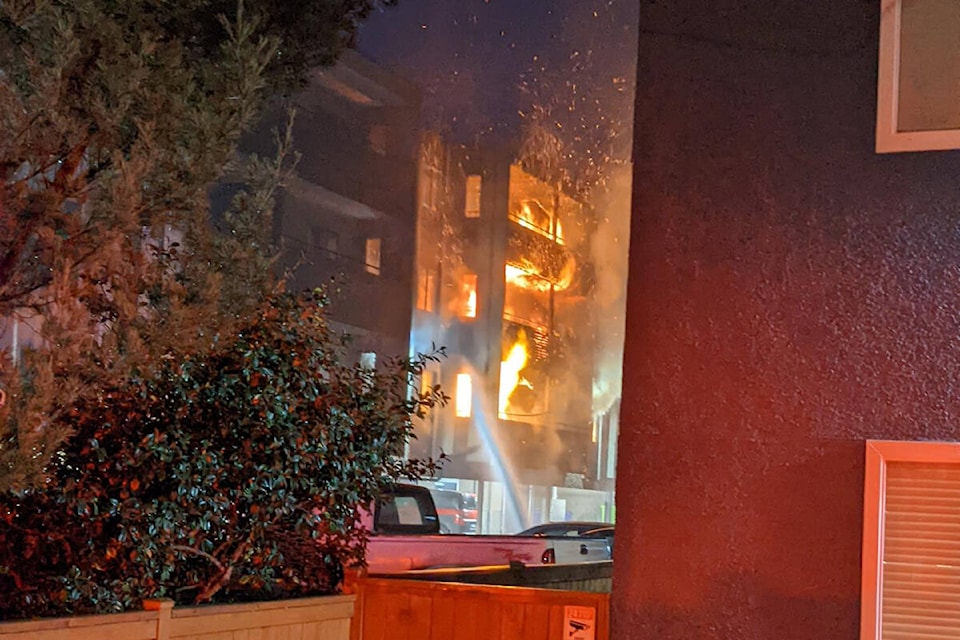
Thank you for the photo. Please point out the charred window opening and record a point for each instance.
(472, 203)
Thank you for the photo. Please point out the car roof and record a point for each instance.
(565, 525)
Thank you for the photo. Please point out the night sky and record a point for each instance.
(483, 62)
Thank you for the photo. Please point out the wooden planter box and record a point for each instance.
(323, 618)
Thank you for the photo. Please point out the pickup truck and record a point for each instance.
(405, 536)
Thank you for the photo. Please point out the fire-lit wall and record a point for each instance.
(791, 294)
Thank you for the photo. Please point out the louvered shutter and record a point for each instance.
(912, 541)
(920, 589)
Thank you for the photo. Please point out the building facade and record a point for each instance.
(346, 218)
(504, 284)
(792, 296)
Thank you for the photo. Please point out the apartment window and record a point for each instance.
(468, 295)
(426, 382)
(373, 256)
(368, 360)
(378, 137)
(918, 87)
(426, 289)
(464, 395)
(472, 206)
(327, 242)
(911, 541)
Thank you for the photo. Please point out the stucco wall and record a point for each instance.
(791, 294)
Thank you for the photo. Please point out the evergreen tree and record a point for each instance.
(117, 116)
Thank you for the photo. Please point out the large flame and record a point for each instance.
(470, 309)
(510, 369)
(533, 216)
(527, 276)
(468, 288)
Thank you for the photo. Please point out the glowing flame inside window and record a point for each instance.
(526, 276)
(510, 368)
(468, 288)
(533, 216)
(464, 397)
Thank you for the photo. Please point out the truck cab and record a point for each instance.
(406, 509)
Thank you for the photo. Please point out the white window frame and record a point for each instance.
(889, 138)
(878, 453)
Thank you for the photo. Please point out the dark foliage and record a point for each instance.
(232, 476)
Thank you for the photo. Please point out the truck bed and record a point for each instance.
(394, 554)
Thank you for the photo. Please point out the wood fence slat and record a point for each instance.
(443, 619)
(471, 611)
(536, 622)
(511, 621)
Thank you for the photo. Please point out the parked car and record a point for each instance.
(454, 509)
(605, 532)
(405, 535)
(470, 512)
(569, 528)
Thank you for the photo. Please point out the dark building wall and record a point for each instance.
(355, 135)
(791, 295)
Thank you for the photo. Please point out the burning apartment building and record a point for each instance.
(425, 244)
(505, 282)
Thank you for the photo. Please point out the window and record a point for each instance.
(325, 241)
(472, 207)
(468, 295)
(378, 137)
(911, 541)
(918, 89)
(426, 289)
(368, 360)
(426, 382)
(373, 256)
(464, 397)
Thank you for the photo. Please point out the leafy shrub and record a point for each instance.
(234, 475)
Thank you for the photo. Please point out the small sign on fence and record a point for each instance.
(579, 623)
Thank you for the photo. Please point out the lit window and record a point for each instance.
(426, 382)
(368, 360)
(373, 256)
(911, 560)
(474, 186)
(919, 71)
(468, 293)
(464, 398)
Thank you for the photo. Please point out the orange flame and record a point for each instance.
(468, 286)
(533, 216)
(527, 276)
(510, 369)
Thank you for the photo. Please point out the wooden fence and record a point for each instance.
(326, 618)
(396, 609)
